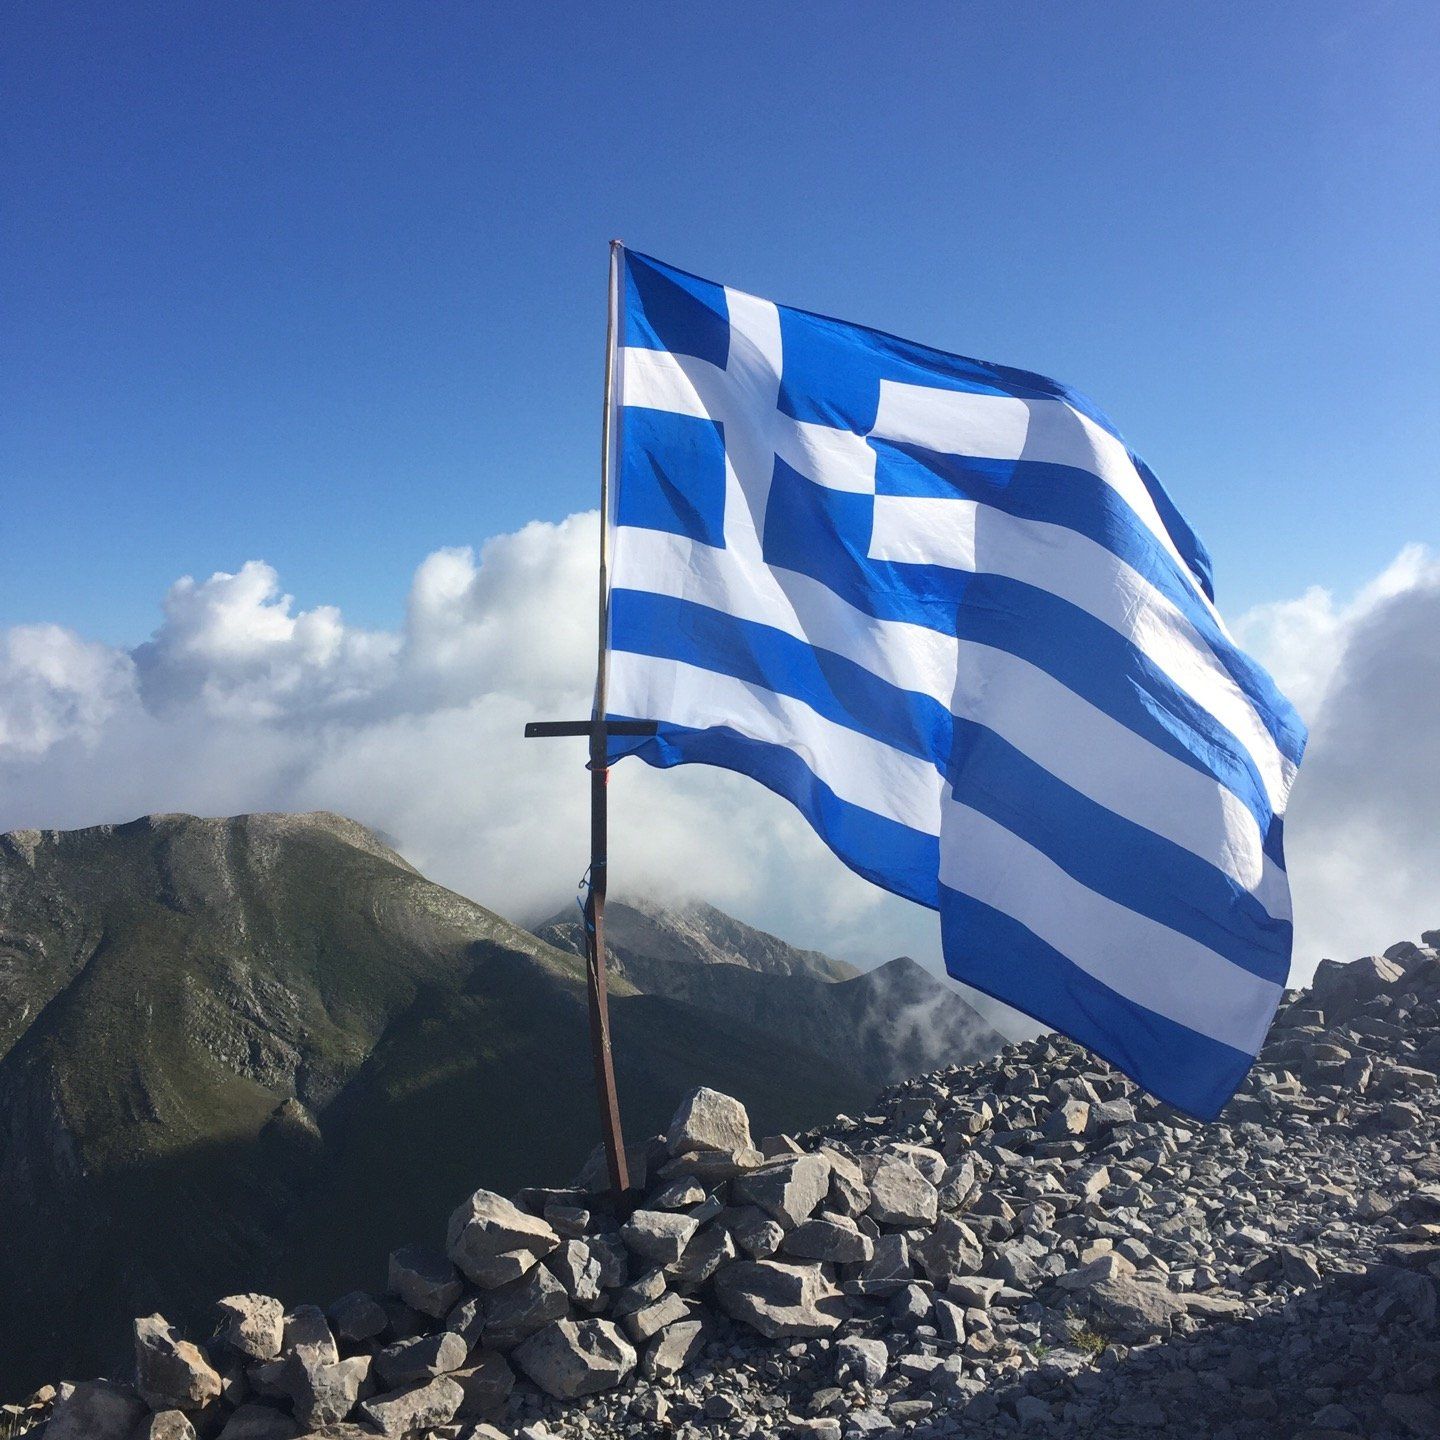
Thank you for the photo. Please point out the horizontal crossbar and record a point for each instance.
(549, 729)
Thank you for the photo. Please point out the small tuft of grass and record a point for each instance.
(1089, 1342)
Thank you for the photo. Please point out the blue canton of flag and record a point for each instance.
(939, 606)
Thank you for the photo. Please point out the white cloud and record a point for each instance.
(1362, 838)
(241, 702)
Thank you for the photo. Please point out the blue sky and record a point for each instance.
(323, 284)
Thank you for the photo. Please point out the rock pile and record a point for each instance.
(1024, 1247)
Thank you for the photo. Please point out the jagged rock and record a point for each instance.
(708, 1120)
(308, 1338)
(326, 1394)
(901, 1195)
(259, 1422)
(779, 1299)
(1133, 1310)
(252, 1325)
(356, 1317)
(522, 1307)
(887, 1270)
(657, 1236)
(166, 1425)
(171, 1373)
(707, 1251)
(487, 1383)
(424, 1279)
(832, 1238)
(787, 1190)
(418, 1407)
(491, 1242)
(576, 1266)
(755, 1232)
(674, 1349)
(576, 1357)
(642, 1324)
(950, 1249)
(96, 1410)
(857, 1358)
(422, 1358)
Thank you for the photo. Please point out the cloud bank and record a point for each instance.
(239, 702)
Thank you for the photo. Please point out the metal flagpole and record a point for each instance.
(599, 731)
(599, 779)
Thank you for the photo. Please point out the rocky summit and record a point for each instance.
(1023, 1247)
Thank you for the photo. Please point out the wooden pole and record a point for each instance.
(599, 780)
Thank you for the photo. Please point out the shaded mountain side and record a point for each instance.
(889, 1023)
(692, 933)
(521, 1059)
(221, 1038)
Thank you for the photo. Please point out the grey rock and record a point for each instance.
(166, 1425)
(423, 1358)
(950, 1249)
(641, 1325)
(674, 1349)
(523, 1307)
(754, 1231)
(787, 1190)
(658, 1237)
(258, 1422)
(308, 1338)
(706, 1252)
(326, 1394)
(857, 1358)
(492, 1242)
(779, 1299)
(901, 1195)
(418, 1407)
(487, 1382)
(171, 1373)
(252, 1325)
(576, 1266)
(424, 1279)
(1132, 1309)
(576, 1357)
(356, 1317)
(96, 1410)
(708, 1120)
(832, 1238)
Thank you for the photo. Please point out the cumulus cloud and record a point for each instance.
(1362, 839)
(239, 701)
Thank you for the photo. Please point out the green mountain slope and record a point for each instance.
(259, 1052)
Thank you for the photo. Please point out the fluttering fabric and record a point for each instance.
(939, 606)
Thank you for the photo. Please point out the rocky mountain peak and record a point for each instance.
(1027, 1245)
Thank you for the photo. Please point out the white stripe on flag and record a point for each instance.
(859, 769)
(966, 535)
(1066, 735)
(1003, 427)
(1136, 957)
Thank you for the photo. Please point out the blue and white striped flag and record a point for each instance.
(939, 606)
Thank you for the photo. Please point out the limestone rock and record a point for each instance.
(418, 1407)
(96, 1410)
(576, 1357)
(787, 1190)
(423, 1358)
(171, 1373)
(252, 1325)
(424, 1279)
(708, 1120)
(658, 1237)
(901, 1195)
(779, 1299)
(490, 1241)
(326, 1394)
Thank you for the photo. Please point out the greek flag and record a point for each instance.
(940, 607)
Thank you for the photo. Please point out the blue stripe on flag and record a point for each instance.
(999, 956)
(1115, 857)
(1081, 501)
(885, 852)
